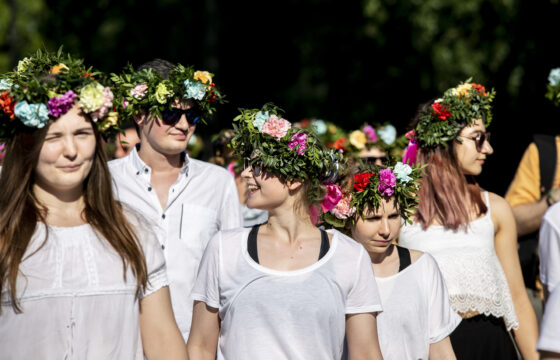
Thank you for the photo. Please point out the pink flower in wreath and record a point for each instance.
(387, 182)
(276, 127)
(298, 140)
(139, 91)
(370, 133)
(343, 210)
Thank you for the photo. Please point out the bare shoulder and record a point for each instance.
(502, 214)
(415, 254)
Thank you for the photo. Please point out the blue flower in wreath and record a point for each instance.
(5, 84)
(194, 90)
(260, 119)
(320, 126)
(32, 115)
(388, 134)
(554, 77)
(402, 171)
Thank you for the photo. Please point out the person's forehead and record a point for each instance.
(183, 104)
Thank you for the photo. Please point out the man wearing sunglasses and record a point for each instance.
(187, 200)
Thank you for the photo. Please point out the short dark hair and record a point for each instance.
(162, 67)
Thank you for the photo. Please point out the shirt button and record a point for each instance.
(163, 216)
(162, 247)
(138, 173)
(146, 170)
(150, 188)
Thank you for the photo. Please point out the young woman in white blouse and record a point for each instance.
(417, 317)
(470, 232)
(80, 277)
(284, 290)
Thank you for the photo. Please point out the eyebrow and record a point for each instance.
(75, 131)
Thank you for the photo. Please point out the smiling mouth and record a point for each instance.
(70, 168)
(252, 189)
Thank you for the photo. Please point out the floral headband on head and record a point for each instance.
(46, 86)
(384, 137)
(148, 90)
(369, 186)
(440, 122)
(553, 87)
(288, 152)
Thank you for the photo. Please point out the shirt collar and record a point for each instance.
(141, 167)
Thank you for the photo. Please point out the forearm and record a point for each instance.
(442, 350)
(528, 217)
(167, 349)
(526, 335)
(196, 352)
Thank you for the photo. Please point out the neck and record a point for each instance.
(57, 202)
(378, 258)
(287, 224)
(157, 161)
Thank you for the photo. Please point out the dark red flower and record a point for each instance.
(440, 111)
(361, 181)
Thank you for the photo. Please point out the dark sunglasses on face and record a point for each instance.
(374, 159)
(172, 116)
(479, 139)
(256, 169)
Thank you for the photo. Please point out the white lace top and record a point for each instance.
(471, 269)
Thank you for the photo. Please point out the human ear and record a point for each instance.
(294, 185)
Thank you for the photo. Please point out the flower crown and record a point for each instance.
(288, 152)
(366, 189)
(460, 106)
(45, 86)
(382, 136)
(553, 87)
(148, 90)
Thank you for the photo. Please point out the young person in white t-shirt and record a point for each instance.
(189, 200)
(81, 277)
(284, 290)
(549, 249)
(417, 317)
(549, 337)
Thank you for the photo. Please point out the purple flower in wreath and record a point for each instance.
(298, 139)
(59, 105)
(387, 182)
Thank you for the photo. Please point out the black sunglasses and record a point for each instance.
(373, 159)
(172, 116)
(479, 140)
(256, 169)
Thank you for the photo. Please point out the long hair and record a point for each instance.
(21, 210)
(446, 194)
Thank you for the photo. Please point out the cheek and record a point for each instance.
(363, 230)
(50, 152)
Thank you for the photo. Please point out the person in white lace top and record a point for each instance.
(80, 277)
(285, 290)
(417, 317)
(470, 233)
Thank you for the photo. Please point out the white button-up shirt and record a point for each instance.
(202, 201)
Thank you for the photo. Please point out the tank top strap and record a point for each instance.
(325, 245)
(487, 200)
(252, 243)
(404, 258)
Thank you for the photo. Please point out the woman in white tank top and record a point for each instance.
(417, 317)
(470, 233)
(285, 290)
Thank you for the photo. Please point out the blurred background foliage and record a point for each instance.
(347, 62)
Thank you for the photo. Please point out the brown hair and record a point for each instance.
(446, 194)
(21, 210)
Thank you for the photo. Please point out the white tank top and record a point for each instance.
(471, 269)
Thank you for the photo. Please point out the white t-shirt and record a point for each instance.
(416, 310)
(202, 201)
(549, 337)
(75, 301)
(271, 314)
(549, 247)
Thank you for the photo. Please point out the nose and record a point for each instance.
(487, 148)
(182, 124)
(247, 173)
(70, 150)
(384, 229)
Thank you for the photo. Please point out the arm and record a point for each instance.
(205, 328)
(442, 350)
(547, 355)
(528, 216)
(361, 335)
(161, 338)
(505, 242)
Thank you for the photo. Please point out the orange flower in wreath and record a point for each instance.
(339, 144)
(7, 104)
